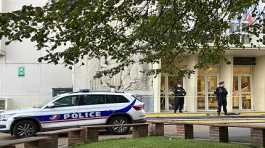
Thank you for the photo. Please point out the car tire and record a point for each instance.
(119, 129)
(24, 128)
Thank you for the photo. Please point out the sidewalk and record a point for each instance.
(209, 117)
(204, 114)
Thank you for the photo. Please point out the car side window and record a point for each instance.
(116, 99)
(66, 101)
(92, 100)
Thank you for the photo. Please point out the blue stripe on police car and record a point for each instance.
(81, 115)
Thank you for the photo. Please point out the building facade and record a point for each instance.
(27, 83)
(23, 81)
(244, 80)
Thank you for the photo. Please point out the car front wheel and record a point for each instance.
(119, 128)
(24, 128)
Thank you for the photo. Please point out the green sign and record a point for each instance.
(21, 71)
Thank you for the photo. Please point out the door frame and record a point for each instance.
(240, 92)
(207, 92)
(206, 97)
(166, 95)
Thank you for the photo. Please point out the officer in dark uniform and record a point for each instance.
(221, 94)
(179, 98)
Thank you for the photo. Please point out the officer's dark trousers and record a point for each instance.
(222, 102)
(179, 103)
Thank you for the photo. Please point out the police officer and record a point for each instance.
(221, 94)
(179, 98)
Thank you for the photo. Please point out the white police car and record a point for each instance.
(75, 109)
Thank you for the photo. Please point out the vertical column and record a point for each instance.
(157, 129)
(74, 137)
(166, 93)
(259, 85)
(184, 131)
(257, 137)
(140, 131)
(156, 88)
(219, 134)
(226, 75)
(92, 135)
(190, 85)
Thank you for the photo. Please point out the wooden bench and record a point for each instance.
(139, 130)
(257, 132)
(88, 134)
(30, 142)
(183, 130)
(74, 135)
(217, 132)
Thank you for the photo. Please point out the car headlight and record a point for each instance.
(4, 117)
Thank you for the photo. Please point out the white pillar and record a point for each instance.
(166, 93)
(190, 85)
(226, 75)
(156, 88)
(258, 86)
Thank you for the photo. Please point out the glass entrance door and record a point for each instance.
(212, 84)
(242, 92)
(167, 96)
(206, 86)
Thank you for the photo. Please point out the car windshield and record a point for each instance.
(45, 102)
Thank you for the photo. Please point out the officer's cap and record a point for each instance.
(221, 82)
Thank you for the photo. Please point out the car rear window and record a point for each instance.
(116, 99)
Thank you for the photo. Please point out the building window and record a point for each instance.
(241, 29)
(234, 27)
(245, 39)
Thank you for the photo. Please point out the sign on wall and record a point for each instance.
(21, 71)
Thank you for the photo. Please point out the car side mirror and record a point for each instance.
(51, 105)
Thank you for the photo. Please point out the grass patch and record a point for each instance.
(159, 142)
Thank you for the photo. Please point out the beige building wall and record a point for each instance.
(259, 84)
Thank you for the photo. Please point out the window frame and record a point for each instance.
(74, 104)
